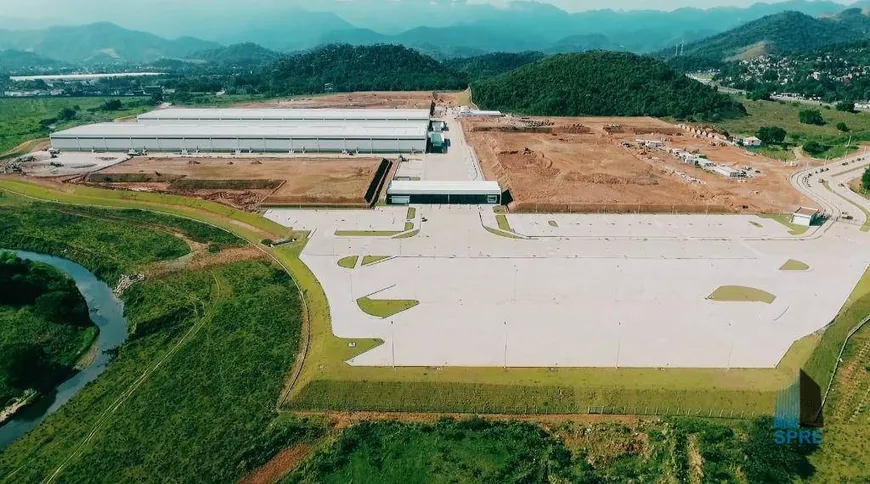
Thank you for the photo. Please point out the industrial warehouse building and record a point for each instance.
(257, 131)
(255, 138)
(363, 116)
(444, 192)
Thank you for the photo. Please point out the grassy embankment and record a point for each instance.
(475, 450)
(786, 116)
(326, 382)
(27, 120)
(193, 390)
(866, 226)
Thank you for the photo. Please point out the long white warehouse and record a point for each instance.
(257, 138)
(372, 116)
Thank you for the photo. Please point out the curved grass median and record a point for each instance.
(384, 308)
(367, 233)
(372, 259)
(794, 265)
(741, 294)
(348, 262)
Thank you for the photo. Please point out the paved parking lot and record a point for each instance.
(598, 291)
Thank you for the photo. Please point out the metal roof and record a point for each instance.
(404, 187)
(138, 130)
(288, 114)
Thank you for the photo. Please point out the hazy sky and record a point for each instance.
(31, 9)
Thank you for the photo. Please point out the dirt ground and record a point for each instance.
(248, 183)
(596, 165)
(360, 100)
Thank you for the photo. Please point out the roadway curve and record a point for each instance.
(836, 200)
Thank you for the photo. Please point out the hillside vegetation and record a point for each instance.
(489, 65)
(781, 33)
(245, 54)
(44, 326)
(367, 68)
(603, 83)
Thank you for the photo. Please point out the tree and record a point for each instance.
(760, 94)
(842, 127)
(846, 106)
(113, 105)
(814, 147)
(771, 135)
(66, 114)
(865, 180)
(812, 116)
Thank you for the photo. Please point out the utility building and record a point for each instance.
(255, 138)
(444, 192)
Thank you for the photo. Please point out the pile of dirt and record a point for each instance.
(607, 179)
(575, 129)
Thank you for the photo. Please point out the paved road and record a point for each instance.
(836, 199)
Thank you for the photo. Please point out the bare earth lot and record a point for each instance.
(360, 100)
(581, 165)
(249, 182)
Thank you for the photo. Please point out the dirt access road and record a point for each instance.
(587, 165)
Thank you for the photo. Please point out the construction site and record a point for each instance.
(600, 165)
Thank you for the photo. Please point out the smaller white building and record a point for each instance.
(805, 216)
(728, 172)
(751, 141)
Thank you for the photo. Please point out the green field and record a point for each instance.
(25, 119)
(384, 308)
(786, 116)
(477, 450)
(741, 294)
(348, 262)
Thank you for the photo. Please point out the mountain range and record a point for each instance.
(442, 28)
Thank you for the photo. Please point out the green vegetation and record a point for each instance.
(108, 248)
(780, 33)
(785, 220)
(811, 116)
(479, 450)
(348, 262)
(412, 213)
(366, 233)
(741, 294)
(771, 135)
(192, 389)
(27, 119)
(834, 142)
(359, 68)
(865, 179)
(841, 127)
(371, 259)
(384, 308)
(44, 327)
(866, 226)
(409, 226)
(553, 223)
(408, 235)
(502, 233)
(489, 65)
(603, 83)
(794, 265)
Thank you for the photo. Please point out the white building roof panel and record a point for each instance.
(137, 130)
(403, 187)
(288, 114)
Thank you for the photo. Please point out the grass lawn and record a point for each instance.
(503, 223)
(384, 308)
(408, 235)
(741, 294)
(371, 259)
(412, 213)
(367, 233)
(348, 262)
(786, 116)
(794, 265)
(20, 118)
(409, 226)
(785, 219)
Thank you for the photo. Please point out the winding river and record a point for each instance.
(107, 313)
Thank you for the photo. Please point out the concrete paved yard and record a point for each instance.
(594, 291)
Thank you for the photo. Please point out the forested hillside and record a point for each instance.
(364, 68)
(245, 54)
(44, 326)
(603, 83)
(489, 65)
(781, 33)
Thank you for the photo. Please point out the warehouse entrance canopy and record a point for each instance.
(444, 192)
